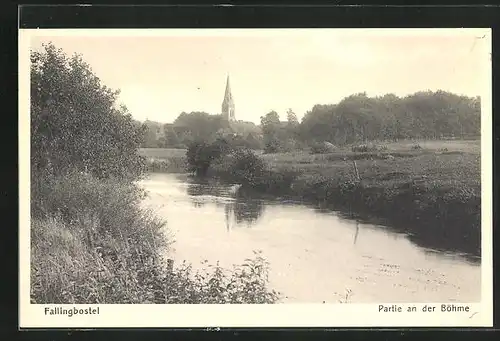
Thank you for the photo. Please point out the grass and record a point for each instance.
(164, 160)
(92, 243)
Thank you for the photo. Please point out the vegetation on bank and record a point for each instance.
(356, 119)
(91, 242)
(432, 193)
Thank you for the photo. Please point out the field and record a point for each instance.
(450, 163)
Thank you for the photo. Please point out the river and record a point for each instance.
(315, 255)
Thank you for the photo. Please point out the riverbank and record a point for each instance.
(433, 195)
(93, 242)
(431, 191)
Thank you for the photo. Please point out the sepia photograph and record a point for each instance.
(201, 170)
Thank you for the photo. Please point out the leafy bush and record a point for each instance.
(272, 145)
(75, 123)
(200, 155)
(243, 284)
(246, 167)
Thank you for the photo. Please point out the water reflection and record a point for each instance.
(243, 212)
(357, 232)
(239, 209)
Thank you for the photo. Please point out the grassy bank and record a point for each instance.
(164, 160)
(92, 243)
(430, 190)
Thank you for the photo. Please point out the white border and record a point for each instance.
(280, 315)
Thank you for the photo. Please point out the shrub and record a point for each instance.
(246, 167)
(200, 155)
(243, 284)
(416, 147)
(272, 145)
(75, 123)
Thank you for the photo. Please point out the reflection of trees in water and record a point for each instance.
(243, 211)
(356, 233)
(244, 208)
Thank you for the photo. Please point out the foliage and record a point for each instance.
(200, 155)
(201, 126)
(422, 115)
(75, 123)
(246, 167)
(243, 284)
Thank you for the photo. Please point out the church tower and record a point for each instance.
(228, 103)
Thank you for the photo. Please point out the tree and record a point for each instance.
(270, 124)
(359, 118)
(291, 118)
(198, 126)
(75, 121)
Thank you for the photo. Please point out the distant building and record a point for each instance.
(228, 112)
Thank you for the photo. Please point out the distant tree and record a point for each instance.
(359, 118)
(292, 118)
(270, 124)
(198, 126)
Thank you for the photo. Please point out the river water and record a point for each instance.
(315, 255)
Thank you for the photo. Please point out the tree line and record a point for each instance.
(195, 126)
(355, 119)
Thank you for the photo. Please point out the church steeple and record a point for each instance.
(228, 103)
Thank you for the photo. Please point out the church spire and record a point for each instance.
(228, 87)
(228, 103)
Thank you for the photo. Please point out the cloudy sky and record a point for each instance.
(162, 73)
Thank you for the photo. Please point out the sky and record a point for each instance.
(161, 74)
